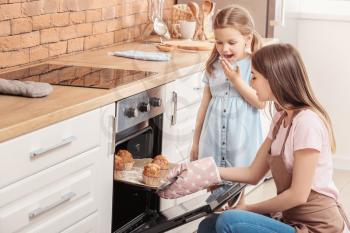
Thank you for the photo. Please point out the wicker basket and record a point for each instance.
(180, 12)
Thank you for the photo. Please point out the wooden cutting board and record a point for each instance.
(193, 45)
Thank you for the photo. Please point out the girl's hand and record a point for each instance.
(194, 153)
(232, 74)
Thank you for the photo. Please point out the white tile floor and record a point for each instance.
(267, 190)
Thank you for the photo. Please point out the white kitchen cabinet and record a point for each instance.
(183, 97)
(49, 184)
(87, 225)
(35, 151)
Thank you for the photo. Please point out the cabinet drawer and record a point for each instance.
(189, 90)
(33, 152)
(87, 225)
(51, 200)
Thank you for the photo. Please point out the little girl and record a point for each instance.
(228, 123)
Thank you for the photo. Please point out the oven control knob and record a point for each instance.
(130, 112)
(144, 107)
(155, 102)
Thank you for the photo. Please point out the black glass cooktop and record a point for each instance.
(79, 76)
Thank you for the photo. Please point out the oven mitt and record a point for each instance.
(26, 88)
(141, 55)
(191, 177)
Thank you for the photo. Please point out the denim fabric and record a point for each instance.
(238, 221)
(231, 131)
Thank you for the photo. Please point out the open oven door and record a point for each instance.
(185, 212)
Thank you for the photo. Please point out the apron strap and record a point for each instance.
(278, 125)
(343, 214)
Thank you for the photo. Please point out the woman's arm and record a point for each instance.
(200, 119)
(243, 88)
(304, 167)
(252, 174)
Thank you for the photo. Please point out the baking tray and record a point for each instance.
(134, 176)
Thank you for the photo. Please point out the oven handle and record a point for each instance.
(174, 116)
(133, 135)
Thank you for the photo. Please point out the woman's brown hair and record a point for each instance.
(238, 18)
(282, 66)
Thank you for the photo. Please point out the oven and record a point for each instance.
(136, 209)
(139, 121)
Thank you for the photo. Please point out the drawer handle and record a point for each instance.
(41, 151)
(197, 88)
(35, 213)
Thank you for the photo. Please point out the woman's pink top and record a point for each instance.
(307, 132)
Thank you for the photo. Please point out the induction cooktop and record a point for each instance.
(79, 76)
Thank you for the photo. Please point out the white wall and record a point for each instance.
(324, 43)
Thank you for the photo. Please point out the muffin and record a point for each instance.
(118, 166)
(127, 159)
(118, 163)
(163, 164)
(151, 174)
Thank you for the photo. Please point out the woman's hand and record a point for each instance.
(194, 152)
(232, 74)
(238, 203)
(190, 177)
(239, 206)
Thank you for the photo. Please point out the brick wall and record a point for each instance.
(37, 30)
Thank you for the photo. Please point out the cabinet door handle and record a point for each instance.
(41, 151)
(173, 117)
(114, 130)
(35, 213)
(197, 88)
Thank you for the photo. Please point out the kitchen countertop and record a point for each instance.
(20, 115)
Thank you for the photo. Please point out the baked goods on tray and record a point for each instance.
(118, 165)
(151, 174)
(163, 164)
(127, 158)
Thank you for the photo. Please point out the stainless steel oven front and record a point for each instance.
(139, 120)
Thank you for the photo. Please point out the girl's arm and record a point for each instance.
(243, 88)
(304, 167)
(252, 174)
(200, 119)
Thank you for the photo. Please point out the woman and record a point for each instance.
(297, 150)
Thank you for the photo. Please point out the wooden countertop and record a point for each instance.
(20, 115)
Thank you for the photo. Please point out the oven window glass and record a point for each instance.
(140, 144)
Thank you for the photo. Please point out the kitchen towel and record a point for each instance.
(24, 88)
(141, 55)
(191, 177)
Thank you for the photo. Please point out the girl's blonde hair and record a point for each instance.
(282, 66)
(240, 19)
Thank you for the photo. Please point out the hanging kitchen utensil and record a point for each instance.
(159, 25)
(155, 20)
(161, 28)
